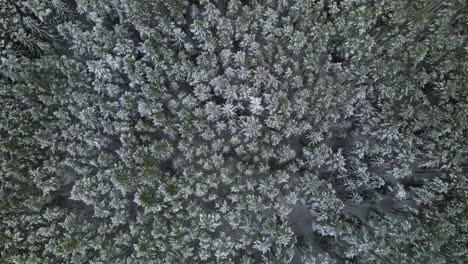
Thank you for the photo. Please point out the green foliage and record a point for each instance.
(233, 131)
(147, 199)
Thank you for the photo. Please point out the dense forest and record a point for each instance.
(233, 131)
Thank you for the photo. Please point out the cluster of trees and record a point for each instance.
(272, 131)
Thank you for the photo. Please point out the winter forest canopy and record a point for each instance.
(233, 131)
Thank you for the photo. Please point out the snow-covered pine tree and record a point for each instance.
(233, 131)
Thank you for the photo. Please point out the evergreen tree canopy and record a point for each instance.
(233, 131)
